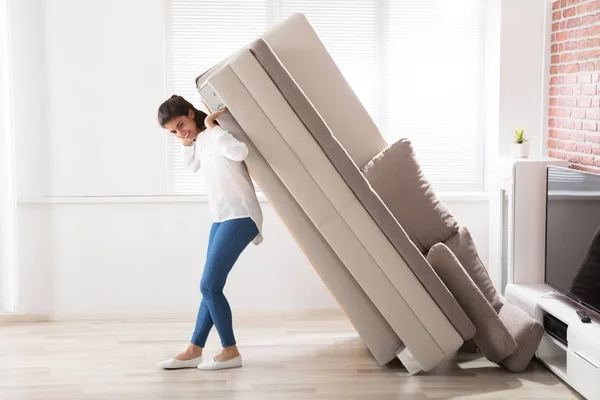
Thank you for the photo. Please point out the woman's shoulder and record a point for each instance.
(216, 131)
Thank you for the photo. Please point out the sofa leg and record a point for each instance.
(409, 362)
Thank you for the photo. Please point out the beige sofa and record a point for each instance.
(392, 255)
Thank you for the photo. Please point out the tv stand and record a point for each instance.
(578, 361)
(550, 293)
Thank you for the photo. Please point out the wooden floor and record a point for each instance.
(302, 357)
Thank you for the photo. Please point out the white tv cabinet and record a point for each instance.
(517, 262)
(578, 362)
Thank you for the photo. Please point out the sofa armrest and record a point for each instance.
(492, 337)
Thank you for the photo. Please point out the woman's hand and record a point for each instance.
(209, 121)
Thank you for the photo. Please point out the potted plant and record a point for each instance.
(519, 148)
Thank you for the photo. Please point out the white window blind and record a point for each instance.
(417, 66)
(433, 86)
(203, 33)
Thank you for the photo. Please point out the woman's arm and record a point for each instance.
(188, 155)
(210, 119)
(228, 146)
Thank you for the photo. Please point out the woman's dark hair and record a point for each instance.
(177, 106)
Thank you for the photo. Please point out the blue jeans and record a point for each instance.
(226, 242)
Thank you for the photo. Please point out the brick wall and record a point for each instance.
(574, 122)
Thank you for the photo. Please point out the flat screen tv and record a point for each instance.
(573, 235)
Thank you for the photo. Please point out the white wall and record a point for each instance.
(30, 126)
(105, 79)
(86, 85)
(517, 69)
(91, 75)
(524, 70)
(8, 250)
(28, 62)
(147, 258)
(123, 256)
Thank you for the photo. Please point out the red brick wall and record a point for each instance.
(574, 122)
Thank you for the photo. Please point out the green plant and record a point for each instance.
(520, 136)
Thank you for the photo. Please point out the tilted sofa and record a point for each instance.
(405, 272)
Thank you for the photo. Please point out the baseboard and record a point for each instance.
(22, 317)
(240, 314)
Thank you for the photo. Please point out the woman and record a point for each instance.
(237, 221)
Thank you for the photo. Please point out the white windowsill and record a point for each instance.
(444, 196)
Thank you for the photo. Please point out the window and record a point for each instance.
(417, 66)
(203, 33)
(433, 74)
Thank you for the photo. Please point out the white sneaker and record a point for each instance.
(174, 363)
(214, 365)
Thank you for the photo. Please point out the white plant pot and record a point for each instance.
(519, 150)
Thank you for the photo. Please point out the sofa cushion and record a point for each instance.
(463, 247)
(397, 178)
(527, 333)
(491, 336)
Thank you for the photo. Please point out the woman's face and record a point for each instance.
(184, 127)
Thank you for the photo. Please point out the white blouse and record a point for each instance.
(230, 190)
